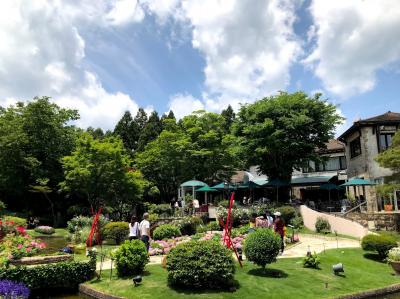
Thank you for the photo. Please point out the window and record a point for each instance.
(332, 164)
(355, 148)
(385, 140)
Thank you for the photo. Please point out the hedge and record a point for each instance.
(58, 275)
(379, 243)
(117, 231)
(166, 231)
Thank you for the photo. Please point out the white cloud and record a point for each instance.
(354, 40)
(42, 53)
(184, 104)
(125, 12)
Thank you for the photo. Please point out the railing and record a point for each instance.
(355, 208)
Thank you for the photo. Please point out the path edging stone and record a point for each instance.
(91, 292)
(394, 288)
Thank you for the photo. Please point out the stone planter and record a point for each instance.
(395, 266)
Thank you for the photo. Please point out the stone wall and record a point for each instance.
(39, 260)
(340, 225)
(379, 221)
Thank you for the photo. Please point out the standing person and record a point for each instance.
(269, 218)
(144, 228)
(133, 228)
(279, 228)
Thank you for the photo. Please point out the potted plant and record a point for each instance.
(394, 259)
(387, 205)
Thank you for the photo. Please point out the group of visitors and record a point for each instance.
(140, 230)
(274, 222)
(33, 222)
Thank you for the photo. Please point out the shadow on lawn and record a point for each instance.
(374, 257)
(267, 272)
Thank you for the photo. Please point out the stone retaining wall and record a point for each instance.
(89, 291)
(338, 224)
(39, 260)
(381, 221)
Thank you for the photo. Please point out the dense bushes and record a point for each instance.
(17, 221)
(322, 225)
(213, 225)
(131, 258)
(188, 225)
(79, 227)
(200, 264)
(287, 213)
(379, 243)
(166, 231)
(46, 230)
(117, 231)
(262, 247)
(57, 275)
(311, 261)
(297, 222)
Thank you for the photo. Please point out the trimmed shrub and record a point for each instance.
(16, 220)
(166, 231)
(322, 225)
(311, 261)
(46, 230)
(297, 222)
(287, 213)
(131, 258)
(213, 225)
(262, 246)
(57, 275)
(379, 243)
(163, 210)
(200, 264)
(188, 225)
(117, 231)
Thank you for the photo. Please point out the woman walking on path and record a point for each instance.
(279, 228)
(133, 228)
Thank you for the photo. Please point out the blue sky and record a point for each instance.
(188, 55)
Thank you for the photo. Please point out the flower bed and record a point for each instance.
(12, 289)
(46, 230)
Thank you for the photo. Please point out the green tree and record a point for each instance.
(280, 132)
(390, 158)
(101, 170)
(229, 117)
(33, 139)
(96, 133)
(128, 131)
(150, 131)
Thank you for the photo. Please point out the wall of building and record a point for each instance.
(338, 224)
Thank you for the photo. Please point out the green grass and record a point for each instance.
(60, 232)
(393, 234)
(307, 231)
(361, 273)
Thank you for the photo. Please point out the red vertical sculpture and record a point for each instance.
(95, 230)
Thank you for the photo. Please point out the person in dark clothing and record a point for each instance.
(279, 228)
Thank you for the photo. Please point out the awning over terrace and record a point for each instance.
(311, 180)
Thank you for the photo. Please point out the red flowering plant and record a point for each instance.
(9, 227)
(16, 246)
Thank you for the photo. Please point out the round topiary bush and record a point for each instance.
(262, 246)
(46, 230)
(200, 264)
(117, 231)
(322, 225)
(379, 243)
(131, 258)
(166, 231)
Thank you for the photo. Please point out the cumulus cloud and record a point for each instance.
(354, 40)
(184, 104)
(42, 53)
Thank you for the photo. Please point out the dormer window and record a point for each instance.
(355, 147)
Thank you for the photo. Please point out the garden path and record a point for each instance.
(315, 243)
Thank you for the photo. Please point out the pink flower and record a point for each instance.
(42, 245)
(28, 249)
(19, 246)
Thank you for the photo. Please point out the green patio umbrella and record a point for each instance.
(221, 186)
(329, 187)
(357, 182)
(206, 189)
(249, 185)
(193, 184)
(276, 183)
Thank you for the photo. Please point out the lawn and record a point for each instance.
(285, 279)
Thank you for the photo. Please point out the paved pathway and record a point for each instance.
(313, 242)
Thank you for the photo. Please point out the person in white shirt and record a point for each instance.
(144, 228)
(133, 228)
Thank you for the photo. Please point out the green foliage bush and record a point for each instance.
(287, 213)
(166, 231)
(213, 225)
(117, 231)
(297, 222)
(322, 225)
(57, 275)
(188, 225)
(225, 204)
(163, 210)
(131, 258)
(79, 222)
(379, 243)
(17, 220)
(262, 247)
(238, 215)
(200, 264)
(311, 261)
